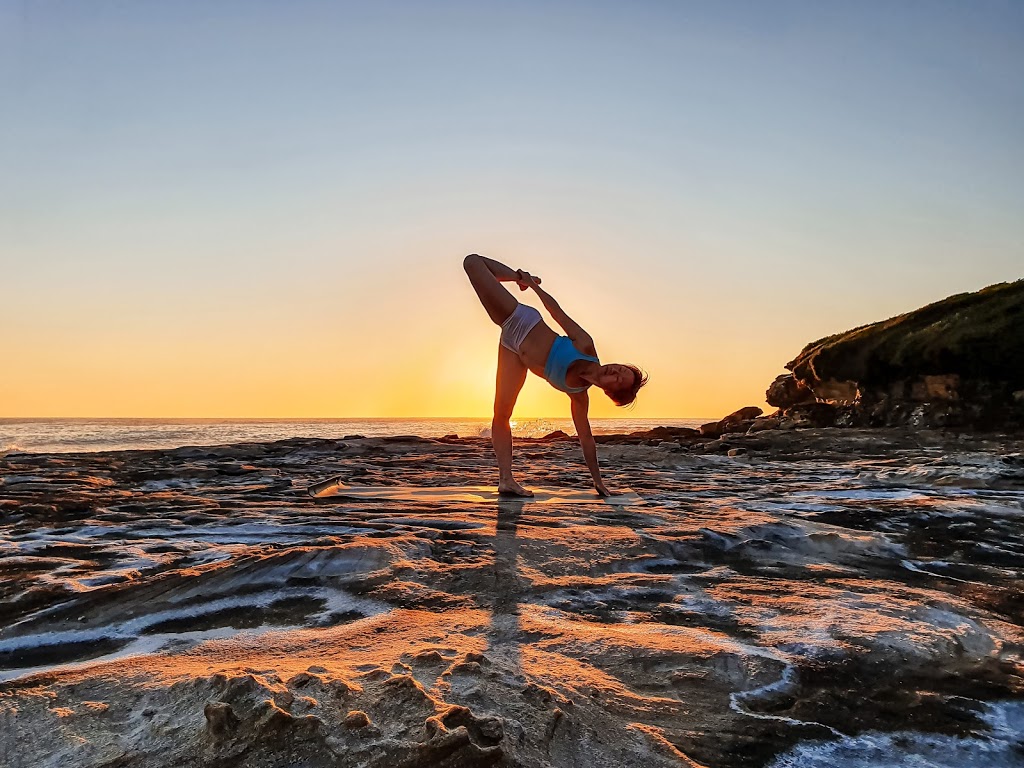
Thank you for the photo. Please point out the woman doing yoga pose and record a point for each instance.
(569, 363)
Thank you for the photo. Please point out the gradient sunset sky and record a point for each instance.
(232, 209)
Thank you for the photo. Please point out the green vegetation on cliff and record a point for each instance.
(979, 336)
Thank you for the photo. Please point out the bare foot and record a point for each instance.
(512, 488)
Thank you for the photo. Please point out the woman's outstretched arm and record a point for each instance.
(580, 410)
(580, 338)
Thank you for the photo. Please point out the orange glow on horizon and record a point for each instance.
(63, 381)
(301, 349)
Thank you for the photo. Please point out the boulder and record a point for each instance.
(809, 415)
(715, 446)
(554, 436)
(712, 429)
(356, 719)
(932, 389)
(787, 390)
(744, 414)
(764, 423)
(851, 416)
(731, 427)
(737, 421)
(836, 392)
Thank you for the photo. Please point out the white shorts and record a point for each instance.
(518, 326)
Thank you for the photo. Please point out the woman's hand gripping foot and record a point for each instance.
(525, 280)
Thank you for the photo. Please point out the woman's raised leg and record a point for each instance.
(487, 277)
(511, 375)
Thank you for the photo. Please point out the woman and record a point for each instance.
(569, 363)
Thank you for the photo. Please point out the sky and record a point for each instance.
(260, 209)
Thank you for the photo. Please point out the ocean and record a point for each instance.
(71, 435)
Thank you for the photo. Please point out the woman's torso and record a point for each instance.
(536, 348)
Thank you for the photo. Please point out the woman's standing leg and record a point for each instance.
(487, 277)
(511, 375)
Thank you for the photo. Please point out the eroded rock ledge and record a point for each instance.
(957, 363)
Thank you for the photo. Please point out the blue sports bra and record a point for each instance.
(562, 355)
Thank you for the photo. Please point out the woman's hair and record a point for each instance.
(626, 396)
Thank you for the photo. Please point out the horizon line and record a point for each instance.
(339, 418)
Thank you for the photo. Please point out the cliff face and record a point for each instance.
(957, 362)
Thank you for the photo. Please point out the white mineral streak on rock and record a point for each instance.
(999, 748)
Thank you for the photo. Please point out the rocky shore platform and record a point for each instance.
(818, 597)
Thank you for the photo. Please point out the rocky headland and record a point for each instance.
(957, 363)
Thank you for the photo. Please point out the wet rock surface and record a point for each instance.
(775, 599)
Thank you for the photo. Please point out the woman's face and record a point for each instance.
(615, 378)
